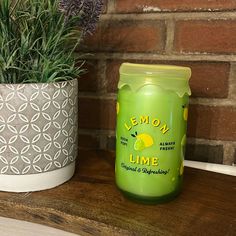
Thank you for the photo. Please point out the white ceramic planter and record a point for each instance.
(38, 135)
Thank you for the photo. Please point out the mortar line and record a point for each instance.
(110, 7)
(213, 142)
(168, 15)
(232, 82)
(159, 57)
(102, 83)
(190, 140)
(217, 102)
(170, 34)
(97, 132)
(108, 96)
(228, 155)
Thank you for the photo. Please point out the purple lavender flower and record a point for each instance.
(88, 10)
(92, 9)
(71, 7)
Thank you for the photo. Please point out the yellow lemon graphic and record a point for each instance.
(117, 108)
(185, 114)
(146, 138)
(183, 145)
(183, 141)
(181, 169)
(143, 141)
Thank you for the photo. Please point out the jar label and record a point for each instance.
(150, 145)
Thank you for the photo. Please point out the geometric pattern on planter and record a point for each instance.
(38, 127)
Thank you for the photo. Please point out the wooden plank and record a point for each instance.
(90, 204)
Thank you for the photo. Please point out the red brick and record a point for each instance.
(215, 36)
(209, 79)
(128, 6)
(127, 36)
(88, 141)
(208, 122)
(205, 153)
(97, 113)
(89, 81)
(112, 75)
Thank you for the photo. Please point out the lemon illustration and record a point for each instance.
(183, 141)
(139, 145)
(117, 108)
(185, 114)
(146, 138)
(183, 146)
(181, 169)
(143, 141)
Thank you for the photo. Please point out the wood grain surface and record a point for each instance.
(90, 204)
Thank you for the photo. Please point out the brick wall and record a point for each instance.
(200, 34)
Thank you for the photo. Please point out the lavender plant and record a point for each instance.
(38, 38)
(88, 10)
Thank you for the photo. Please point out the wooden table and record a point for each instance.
(90, 204)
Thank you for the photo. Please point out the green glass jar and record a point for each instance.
(152, 112)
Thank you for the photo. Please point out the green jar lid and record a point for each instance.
(169, 77)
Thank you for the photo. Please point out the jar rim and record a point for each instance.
(169, 77)
(153, 70)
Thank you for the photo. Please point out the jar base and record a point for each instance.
(151, 200)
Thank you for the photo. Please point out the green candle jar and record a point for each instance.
(152, 112)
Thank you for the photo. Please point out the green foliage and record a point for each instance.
(37, 42)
